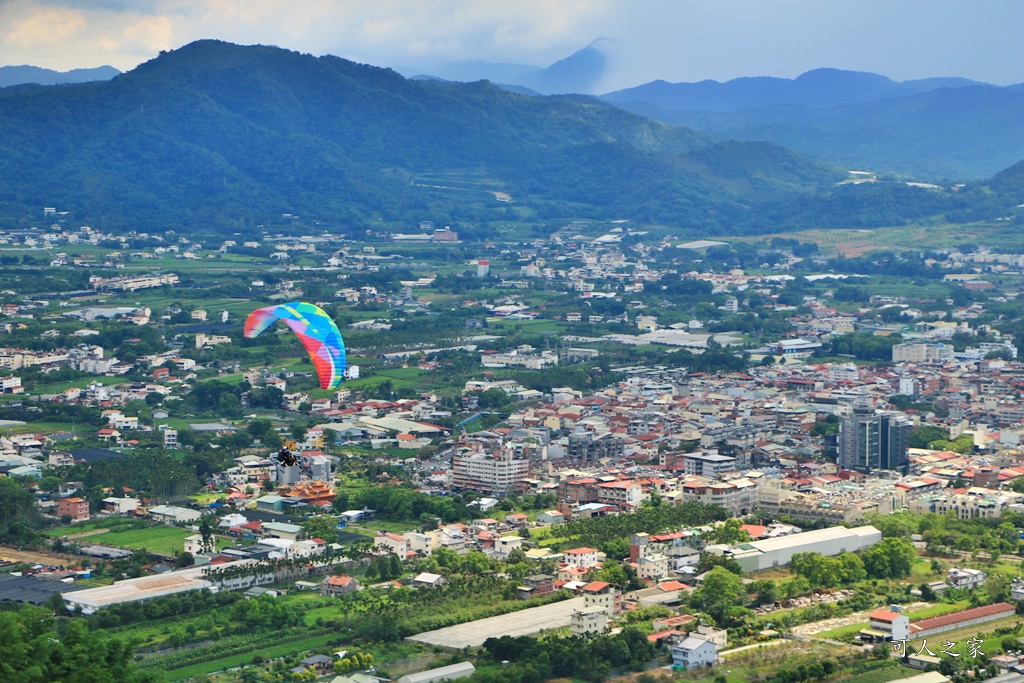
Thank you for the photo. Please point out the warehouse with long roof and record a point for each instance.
(778, 552)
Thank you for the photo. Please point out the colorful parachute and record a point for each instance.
(319, 334)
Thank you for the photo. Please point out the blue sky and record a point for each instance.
(674, 40)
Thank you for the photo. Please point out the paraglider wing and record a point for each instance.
(317, 331)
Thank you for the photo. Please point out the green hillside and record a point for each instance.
(215, 134)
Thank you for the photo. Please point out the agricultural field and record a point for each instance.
(232, 661)
(164, 540)
(857, 242)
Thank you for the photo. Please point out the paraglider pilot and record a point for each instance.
(286, 458)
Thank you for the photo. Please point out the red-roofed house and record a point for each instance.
(391, 543)
(516, 519)
(333, 586)
(600, 594)
(75, 508)
(673, 623)
(672, 586)
(660, 636)
(885, 626)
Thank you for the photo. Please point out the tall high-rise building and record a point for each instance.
(873, 442)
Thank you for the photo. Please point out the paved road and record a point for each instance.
(522, 623)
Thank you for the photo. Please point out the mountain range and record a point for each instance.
(220, 136)
(18, 75)
(934, 128)
(931, 128)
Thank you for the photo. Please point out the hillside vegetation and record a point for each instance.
(221, 136)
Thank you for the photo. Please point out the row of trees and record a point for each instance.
(892, 558)
(36, 648)
(534, 660)
(400, 504)
(948, 533)
(652, 519)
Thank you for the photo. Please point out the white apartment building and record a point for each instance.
(590, 620)
(497, 475)
(391, 543)
(652, 566)
(737, 496)
(581, 557)
(921, 353)
(506, 544)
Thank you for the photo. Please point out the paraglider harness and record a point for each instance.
(286, 457)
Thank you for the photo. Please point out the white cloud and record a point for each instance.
(44, 26)
(670, 39)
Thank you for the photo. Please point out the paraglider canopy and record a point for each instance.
(317, 331)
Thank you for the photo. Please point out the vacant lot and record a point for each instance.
(522, 623)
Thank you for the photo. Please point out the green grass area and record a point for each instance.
(883, 674)
(921, 570)
(165, 540)
(240, 659)
(49, 428)
(531, 326)
(80, 383)
(92, 525)
(400, 378)
(1010, 570)
(393, 527)
(938, 610)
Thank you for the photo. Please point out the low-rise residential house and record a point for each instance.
(428, 580)
(386, 542)
(604, 595)
(551, 517)
(652, 566)
(334, 586)
(172, 514)
(718, 636)
(75, 508)
(694, 653)
(581, 557)
(287, 532)
(503, 545)
(679, 622)
(194, 544)
(321, 665)
(120, 506)
(965, 578)
(588, 620)
(423, 543)
(886, 625)
(537, 584)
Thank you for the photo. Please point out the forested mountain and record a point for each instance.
(932, 128)
(816, 88)
(224, 135)
(216, 135)
(18, 75)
